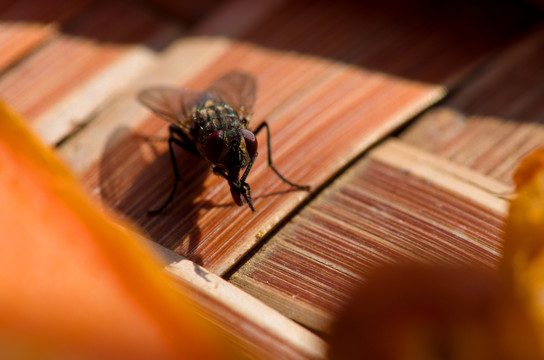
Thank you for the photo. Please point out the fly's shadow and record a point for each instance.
(135, 175)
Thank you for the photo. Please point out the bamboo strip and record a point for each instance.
(202, 223)
(60, 86)
(260, 330)
(398, 203)
(496, 120)
(322, 114)
(482, 190)
(264, 331)
(26, 25)
(124, 114)
(18, 39)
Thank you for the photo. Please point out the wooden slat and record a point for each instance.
(61, 85)
(482, 190)
(258, 329)
(251, 325)
(322, 113)
(462, 211)
(496, 119)
(25, 25)
(334, 77)
(294, 91)
(398, 203)
(124, 114)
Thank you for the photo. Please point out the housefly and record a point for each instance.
(214, 125)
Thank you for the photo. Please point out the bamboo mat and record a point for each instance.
(390, 207)
(203, 223)
(435, 195)
(328, 113)
(334, 79)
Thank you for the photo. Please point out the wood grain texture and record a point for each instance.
(481, 189)
(18, 39)
(390, 207)
(26, 25)
(124, 114)
(256, 329)
(322, 114)
(496, 119)
(61, 85)
(252, 326)
(294, 92)
(334, 78)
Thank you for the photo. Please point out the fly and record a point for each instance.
(214, 125)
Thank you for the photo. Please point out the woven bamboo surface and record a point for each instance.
(406, 119)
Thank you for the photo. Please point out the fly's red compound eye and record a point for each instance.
(213, 146)
(251, 142)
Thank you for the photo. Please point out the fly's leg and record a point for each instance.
(264, 124)
(248, 169)
(184, 144)
(245, 185)
(242, 187)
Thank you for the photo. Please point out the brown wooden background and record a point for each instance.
(406, 118)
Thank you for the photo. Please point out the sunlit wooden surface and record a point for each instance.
(406, 119)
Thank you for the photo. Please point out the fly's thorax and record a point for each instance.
(213, 116)
(221, 135)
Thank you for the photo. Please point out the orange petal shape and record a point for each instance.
(74, 284)
(522, 263)
(529, 167)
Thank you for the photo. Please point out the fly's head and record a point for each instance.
(230, 149)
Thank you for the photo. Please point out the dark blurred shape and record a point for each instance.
(188, 11)
(427, 312)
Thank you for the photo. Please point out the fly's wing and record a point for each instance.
(236, 89)
(171, 104)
